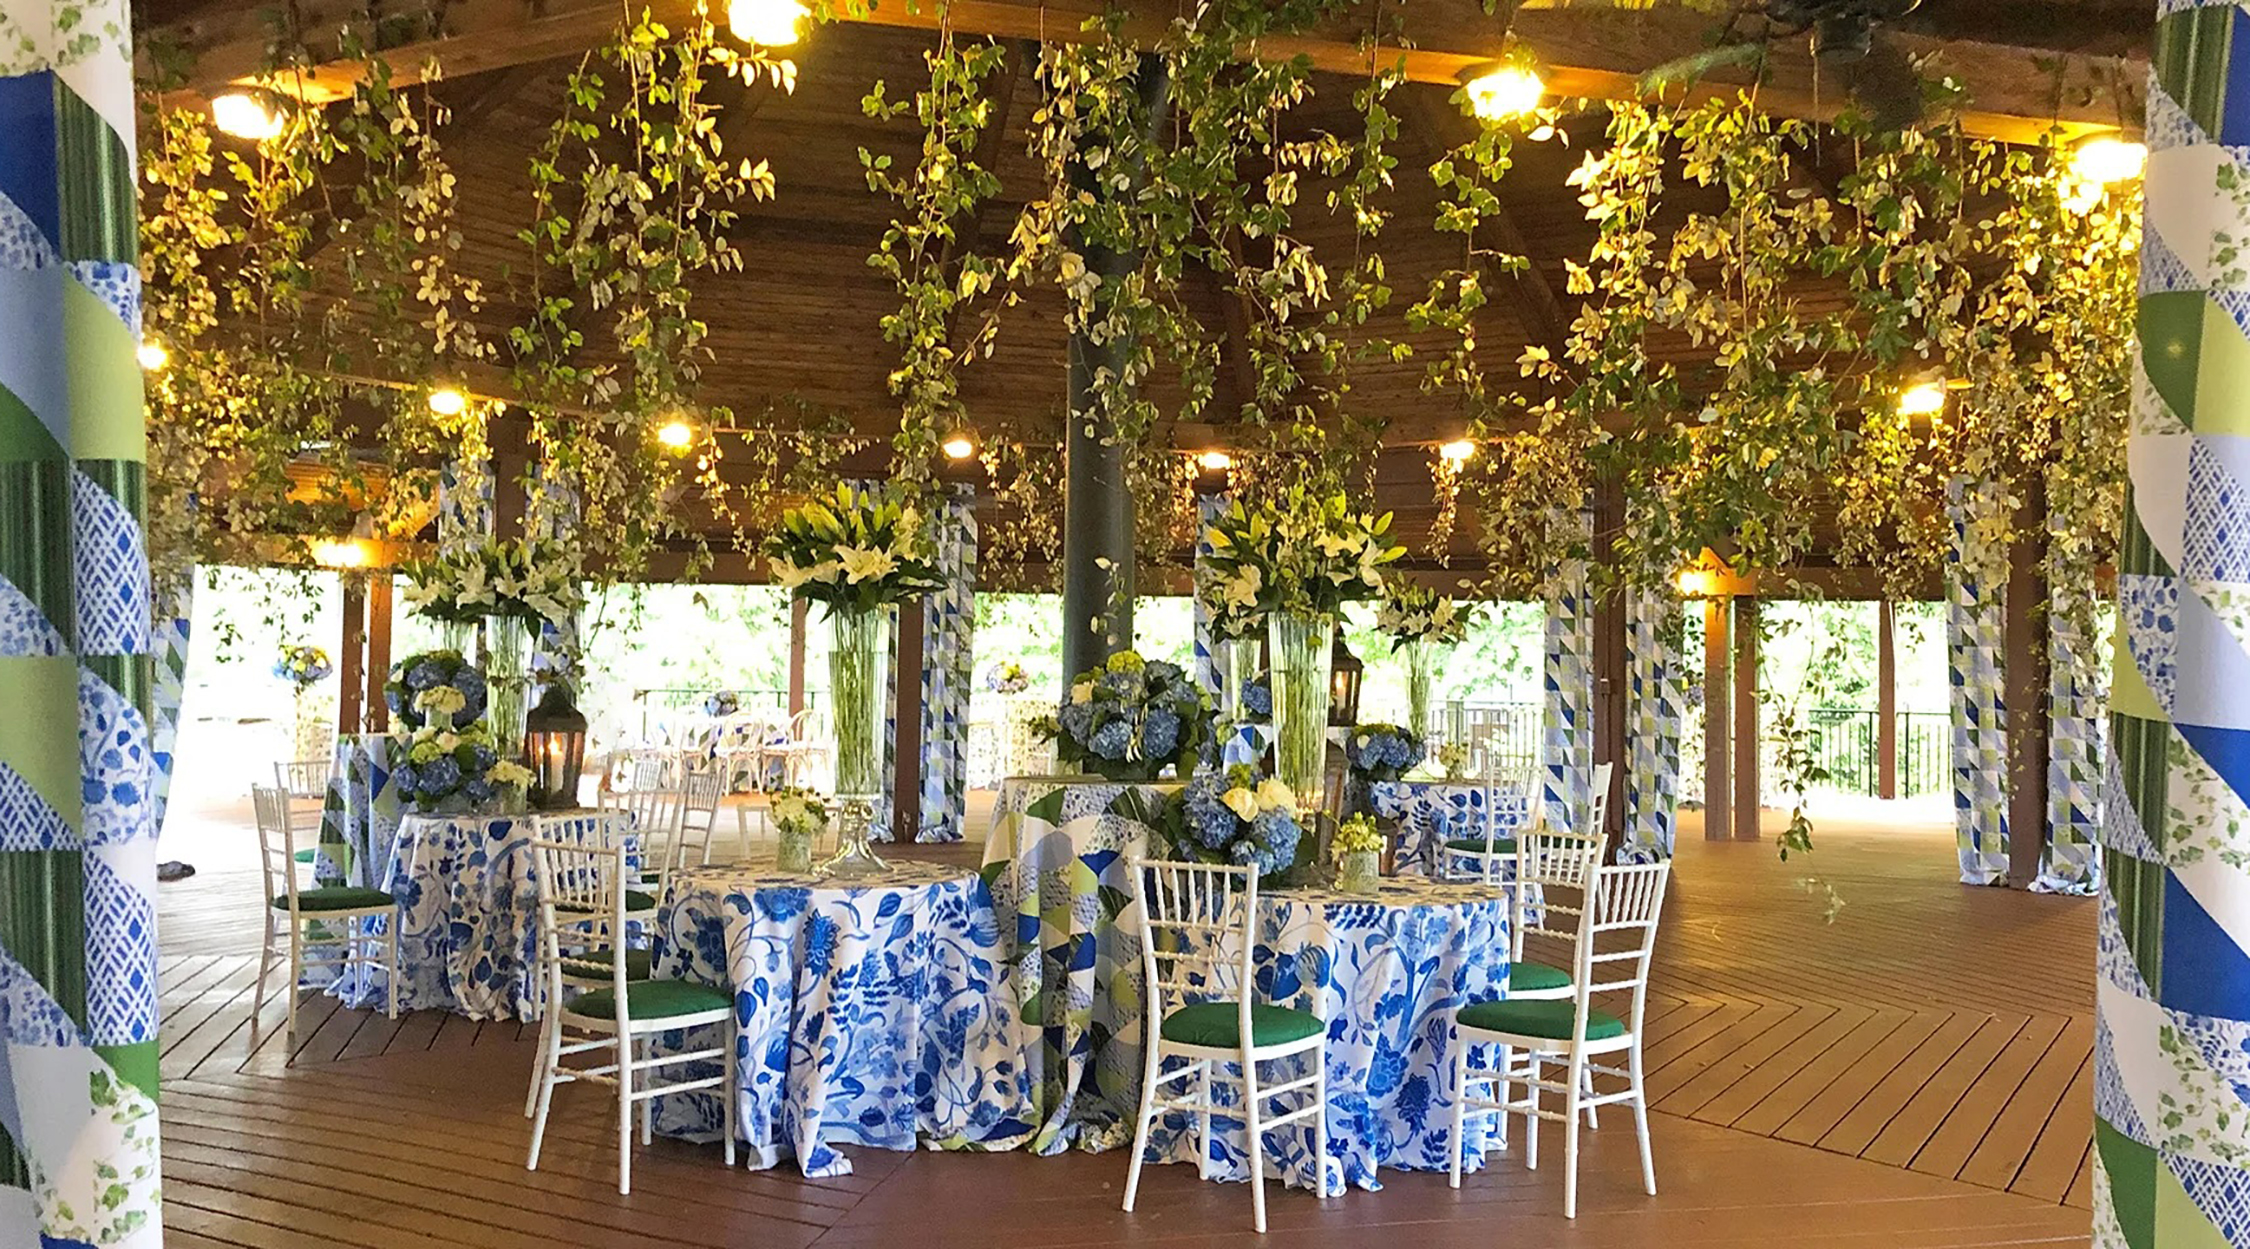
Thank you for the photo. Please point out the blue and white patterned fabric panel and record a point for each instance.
(1430, 813)
(1386, 973)
(948, 649)
(359, 817)
(1567, 674)
(870, 1013)
(1652, 727)
(1246, 744)
(2077, 739)
(1975, 639)
(466, 889)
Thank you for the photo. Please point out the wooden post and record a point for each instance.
(1747, 760)
(2024, 681)
(797, 610)
(1886, 701)
(1718, 722)
(379, 605)
(351, 670)
(906, 792)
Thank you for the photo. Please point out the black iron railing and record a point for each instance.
(1842, 747)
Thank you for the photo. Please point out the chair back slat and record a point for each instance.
(1627, 899)
(277, 842)
(581, 899)
(302, 778)
(1196, 933)
(1548, 860)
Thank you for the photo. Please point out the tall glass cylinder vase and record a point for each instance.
(859, 647)
(459, 636)
(1300, 662)
(1418, 654)
(507, 678)
(1237, 662)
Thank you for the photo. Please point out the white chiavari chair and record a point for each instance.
(304, 787)
(289, 907)
(1197, 941)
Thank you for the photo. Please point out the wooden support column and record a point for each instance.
(379, 609)
(351, 668)
(1718, 721)
(1611, 684)
(797, 611)
(1886, 700)
(906, 791)
(1746, 752)
(2024, 683)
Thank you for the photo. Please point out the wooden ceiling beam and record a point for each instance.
(1594, 52)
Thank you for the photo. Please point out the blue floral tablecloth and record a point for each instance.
(1056, 864)
(465, 886)
(869, 1013)
(359, 817)
(1431, 812)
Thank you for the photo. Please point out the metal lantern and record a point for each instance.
(1344, 673)
(554, 747)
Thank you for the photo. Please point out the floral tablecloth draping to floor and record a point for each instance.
(359, 817)
(1056, 864)
(1387, 973)
(466, 888)
(867, 1012)
(1430, 812)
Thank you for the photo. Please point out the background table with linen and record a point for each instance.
(466, 888)
(1432, 812)
(1056, 864)
(359, 817)
(866, 1012)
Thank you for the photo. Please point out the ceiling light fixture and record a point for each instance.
(1457, 451)
(1215, 460)
(446, 401)
(676, 434)
(152, 355)
(2107, 160)
(245, 117)
(1498, 92)
(958, 445)
(769, 22)
(1922, 399)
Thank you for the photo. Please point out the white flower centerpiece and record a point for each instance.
(514, 587)
(859, 552)
(1421, 622)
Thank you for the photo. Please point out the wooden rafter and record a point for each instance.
(2019, 92)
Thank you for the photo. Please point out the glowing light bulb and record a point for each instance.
(334, 553)
(770, 22)
(1457, 451)
(676, 434)
(152, 355)
(1505, 91)
(2108, 160)
(1216, 461)
(245, 117)
(958, 447)
(446, 401)
(1922, 399)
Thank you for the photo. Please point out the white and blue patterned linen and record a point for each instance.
(866, 1012)
(1429, 813)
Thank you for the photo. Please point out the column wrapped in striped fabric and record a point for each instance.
(553, 512)
(2077, 738)
(1568, 681)
(170, 647)
(1207, 510)
(949, 619)
(1976, 583)
(78, 1009)
(464, 503)
(1652, 726)
(2172, 1039)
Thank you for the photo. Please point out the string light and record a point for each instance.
(245, 117)
(958, 446)
(1215, 461)
(152, 355)
(1922, 399)
(446, 401)
(339, 553)
(769, 22)
(2107, 160)
(1499, 92)
(676, 434)
(1457, 451)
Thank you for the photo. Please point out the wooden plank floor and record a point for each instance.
(1916, 1073)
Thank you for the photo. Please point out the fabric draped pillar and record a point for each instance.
(1654, 664)
(2077, 739)
(1208, 509)
(78, 1006)
(1568, 686)
(1976, 580)
(170, 651)
(949, 619)
(2171, 1077)
(553, 513)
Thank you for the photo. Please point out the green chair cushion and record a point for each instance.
(1475, 845)
(1536, 978)
(306, 856)
(1219, 1025)
(655, 999)
(595, 963)
(336, 898)
(635, 900)
(1550, 1019)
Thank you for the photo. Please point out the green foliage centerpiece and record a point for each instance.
(1421, 622)
(1130, 719)
(859, 552)
(1299, 559)
(514, 586)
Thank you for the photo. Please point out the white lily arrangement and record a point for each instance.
(799, 811)
(1417, 613)
(525, 579)
(1299, 554)
(855, 550)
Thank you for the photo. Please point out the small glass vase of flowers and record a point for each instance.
(1007, 677)
(721, 703)
(1239, 817)
(1358, 847)
(800, 818)
(1130, 719)
(303, 667)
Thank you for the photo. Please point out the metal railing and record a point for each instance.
(1843, 747)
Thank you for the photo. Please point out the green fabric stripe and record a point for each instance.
(132, 676)
(22, 436)
(106, 402)
(2137, 887)
(97, 189)
(2136, 554)
(2131, 1167)
(43, 921)
(2191, 60)
(2171, 330)
(2141, 746)
(38, 735)
(135, 1064)
(35, 537)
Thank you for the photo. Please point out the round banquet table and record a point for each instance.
(465, 887)
(1430, 812)
(867, 1012)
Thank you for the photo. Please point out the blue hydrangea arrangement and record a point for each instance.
(1130, 719)
(1237, 817)
(1383, 752)
(1257, 700)
(303, 666)
(451, 770)
(722, 703)
(436, 688)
